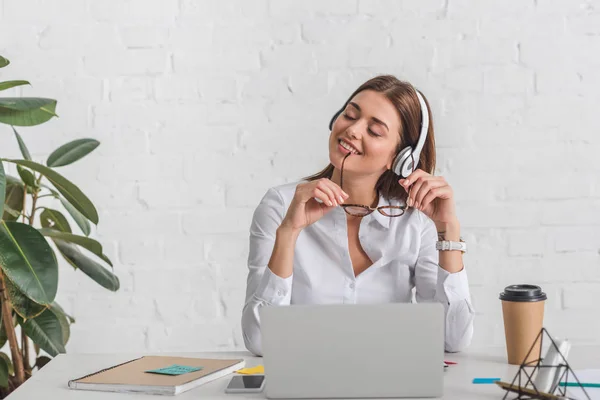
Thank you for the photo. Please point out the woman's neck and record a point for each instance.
(361, 190)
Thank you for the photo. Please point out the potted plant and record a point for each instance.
(28, 263)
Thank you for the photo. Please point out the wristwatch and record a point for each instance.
(445, 245)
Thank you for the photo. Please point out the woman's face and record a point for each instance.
(370, 126)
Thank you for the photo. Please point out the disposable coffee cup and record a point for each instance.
(523, 313)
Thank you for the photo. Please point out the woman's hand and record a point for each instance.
(305, 210)
(430, 194)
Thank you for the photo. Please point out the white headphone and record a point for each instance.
(403, 162)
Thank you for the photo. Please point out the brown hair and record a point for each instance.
(404, 97)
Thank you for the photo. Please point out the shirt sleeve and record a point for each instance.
(433, 283)
(263, 287)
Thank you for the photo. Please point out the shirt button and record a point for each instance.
(352, 286)
(279, 293)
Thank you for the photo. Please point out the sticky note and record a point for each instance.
(485, 380)
(259, 369)
(174, 369)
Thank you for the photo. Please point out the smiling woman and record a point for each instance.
(304, 249)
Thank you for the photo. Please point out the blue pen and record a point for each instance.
(485, 380)
(570, 384)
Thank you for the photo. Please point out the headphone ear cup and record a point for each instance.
(402, 162)
(335, 116)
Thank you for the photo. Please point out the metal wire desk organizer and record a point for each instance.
(523, 383)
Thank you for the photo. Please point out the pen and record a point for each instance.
(570, 384)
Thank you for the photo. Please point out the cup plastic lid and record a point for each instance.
(523, 293)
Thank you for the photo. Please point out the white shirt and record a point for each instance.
(402, 250)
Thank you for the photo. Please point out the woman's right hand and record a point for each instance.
(305, 210)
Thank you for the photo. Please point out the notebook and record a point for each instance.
(131, 376)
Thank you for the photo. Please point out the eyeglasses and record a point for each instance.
(360, 210)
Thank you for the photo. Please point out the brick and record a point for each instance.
(571, 212)
(511, 80)
(356, 33)
(218, 88)
(289, 9)
(172, 89)
(183, 250)
(309, 85)
(143, 37)
(582, 296)
(502, 215)
(225, 59)
(531, 242)
(148, 168)
(391, 9)
(205, 191)
(558, 186)
(289, 58)
(464, 8)
(40, 11)
(129, 62)
(186, 307)
(264, 84)
(140, 251)
(134, 11)
(190, 337)
(211, 11)
(191, 280)
(475, 52)
(80, 39)
(217, 220)
(130, 89)
(574, 239)
(116, 223)
(221, 140)
(98, 338)
(525, 26)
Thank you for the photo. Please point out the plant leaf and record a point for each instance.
(22, 146)
(62, 319)
(106, 260)
(27, 176)
(3, 62)
(41, 361)
(6, 358)
(54, 219)
(22, 305)
(85, 242)
(14, 198)
(71, 192)
(71, 152)
(3, 372)
(2, 188)
(25, 103)
(45, 330)
(28, 261)
(12, 84)
(22, 111)
(80, 220)
(97, 272)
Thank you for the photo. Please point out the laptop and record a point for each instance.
(353, 350)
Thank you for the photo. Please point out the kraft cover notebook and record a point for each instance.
(132, 376)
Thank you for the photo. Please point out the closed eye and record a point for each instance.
(371, 132)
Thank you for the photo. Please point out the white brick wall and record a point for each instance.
(202, 105)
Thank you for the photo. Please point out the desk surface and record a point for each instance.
(51, 381)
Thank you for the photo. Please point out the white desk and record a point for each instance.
(51, 381)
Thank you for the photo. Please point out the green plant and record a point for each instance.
(28, 264)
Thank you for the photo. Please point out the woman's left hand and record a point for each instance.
(430, 194)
